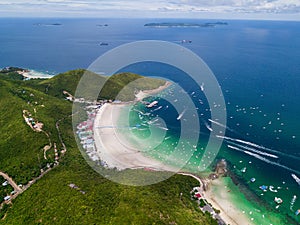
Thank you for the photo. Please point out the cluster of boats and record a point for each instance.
(279, 200)
(271, 188)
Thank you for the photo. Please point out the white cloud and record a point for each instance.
(145, 7)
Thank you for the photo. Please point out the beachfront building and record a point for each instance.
(85, 131)
(198, 195)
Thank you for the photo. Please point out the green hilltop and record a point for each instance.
(51, 200)
(110, 86)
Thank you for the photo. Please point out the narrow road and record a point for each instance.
(211, 209)
(11, 182)
(59, 135)
(19, 190)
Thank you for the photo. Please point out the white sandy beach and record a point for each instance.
(115, 150)
(34, 74)
(145, 93)
(119, 153)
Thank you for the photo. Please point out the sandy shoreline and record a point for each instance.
(118, 153)
(145, 93)
(114, 150)
(34, 74)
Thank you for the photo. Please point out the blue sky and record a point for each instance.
(248, 9)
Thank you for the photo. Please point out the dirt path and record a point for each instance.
(11, 182)
(47, 147)
(59, 135)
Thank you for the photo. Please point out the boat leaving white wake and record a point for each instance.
(297, 179)
(181, 114)
(247, 143)
(272, 163)
(158, 108)
(292, 203)
(254, 150)
(258, 146)
(221, 125)
(267, 161)
(207, 126)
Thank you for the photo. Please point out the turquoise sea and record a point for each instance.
(256, 64)
(254, 146)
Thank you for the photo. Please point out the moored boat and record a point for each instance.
(278, 200)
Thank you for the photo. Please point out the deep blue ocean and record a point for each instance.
(257, 64)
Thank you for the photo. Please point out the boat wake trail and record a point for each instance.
(235, 141)
(140, 112)
(181, 114)
(254, 150)
(158, 108)
(207, 126)
(221, 125)
(267, 161)
(297, 179)
(271, 162)
(292, 203)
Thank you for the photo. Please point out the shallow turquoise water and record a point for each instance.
(144, 122)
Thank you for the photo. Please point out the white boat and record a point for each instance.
(278, 200)
(271, 188)
(186, 41)
(180, 115)
(208, 127)
(164, 128)
(152, 104)
(202, 87)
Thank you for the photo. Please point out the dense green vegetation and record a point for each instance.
(131, 82)
(50, 200)
(120, 86)
(4, 190)
(10, 73)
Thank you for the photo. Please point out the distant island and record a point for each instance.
(185, 24)
(47, 24)
(102, 25)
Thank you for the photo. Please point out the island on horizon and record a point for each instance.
(177, 24)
